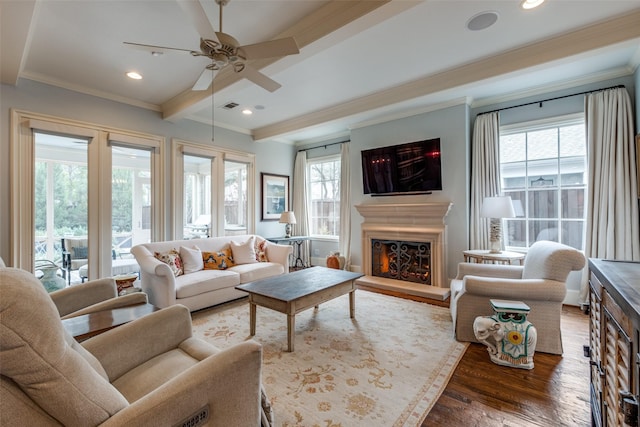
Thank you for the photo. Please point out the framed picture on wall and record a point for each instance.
(275, 195)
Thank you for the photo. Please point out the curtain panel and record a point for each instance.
(485, 175)
(613, 230)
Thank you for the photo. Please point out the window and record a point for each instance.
(324, 191)
(543, 169)
(235, 198)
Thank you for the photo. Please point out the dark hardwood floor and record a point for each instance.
(555, 393)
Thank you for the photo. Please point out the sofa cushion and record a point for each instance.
(172, 259)
(218, 260)
(245, 252)
(257, 271)
(203, 281)
(191, 259)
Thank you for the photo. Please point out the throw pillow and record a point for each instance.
(243, 253)
(261, 251)
(80, 252)
(191, 259)
(172, 259)
(220, 260)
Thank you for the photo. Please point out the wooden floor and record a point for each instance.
(554, 393)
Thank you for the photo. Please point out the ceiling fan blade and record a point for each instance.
(279, 47)
(196, 13)
(153, 48)
(260, 79)
(204, 80)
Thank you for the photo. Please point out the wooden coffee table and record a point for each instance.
(88, 325)
(297, 291)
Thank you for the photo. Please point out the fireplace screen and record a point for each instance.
(408, 261)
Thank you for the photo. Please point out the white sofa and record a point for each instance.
(204, 288)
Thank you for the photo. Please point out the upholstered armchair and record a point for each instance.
(74, 254)
(540, 283)
(92, 296)
(149, 372)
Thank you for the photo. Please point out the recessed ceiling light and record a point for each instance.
(530, 4)
(247, 112)
(482, 20)
(134, 75)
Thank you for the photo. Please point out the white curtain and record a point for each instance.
(485, 175)
(300, 201)
(613, 230)
(345, 206)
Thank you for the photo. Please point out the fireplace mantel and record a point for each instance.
(415, 222)
(405, 213)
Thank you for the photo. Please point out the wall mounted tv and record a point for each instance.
(411, 168)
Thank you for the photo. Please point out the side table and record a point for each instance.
(510, 338)
(484, 256)
(299, 257)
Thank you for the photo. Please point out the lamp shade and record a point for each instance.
(287, 217)
(497, 207)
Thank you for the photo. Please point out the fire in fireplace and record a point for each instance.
(399, 260)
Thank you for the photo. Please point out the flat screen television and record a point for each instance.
(411, 168)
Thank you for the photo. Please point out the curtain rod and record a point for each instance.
(552, 99)
(325, 146)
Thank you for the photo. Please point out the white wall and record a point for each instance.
(44, 99)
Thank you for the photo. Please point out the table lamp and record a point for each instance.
(287, 217)
(496, 208)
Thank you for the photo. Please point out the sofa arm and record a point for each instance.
(226, 384)
(122, 349)
(489, 270)
(156, 278)
(280, 254)
(530, 289)
(74, 298)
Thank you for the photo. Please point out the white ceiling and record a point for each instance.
(360, 61)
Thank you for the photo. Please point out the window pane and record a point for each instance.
(544, 230)
(542, 144)
(61, 200)
(197, 196)
(572, 233)
(544, 171)
(324, 186)
(543, 204)
(235, 198)
(130, 199)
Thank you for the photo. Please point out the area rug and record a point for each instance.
(386, 367)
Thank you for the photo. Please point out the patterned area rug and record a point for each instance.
(386, 367)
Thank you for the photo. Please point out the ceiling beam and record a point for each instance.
(328, 18)
(600, 35)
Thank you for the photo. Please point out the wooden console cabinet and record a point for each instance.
(614, 335)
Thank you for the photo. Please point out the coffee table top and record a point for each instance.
(297, 284)
(87, 325)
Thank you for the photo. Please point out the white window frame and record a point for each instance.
(310, 163)
(218, 155)
(23, 126)
(532, 126)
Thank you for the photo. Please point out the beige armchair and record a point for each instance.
(92, 296)
(150, 372)
(540, 283)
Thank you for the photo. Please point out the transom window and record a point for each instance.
(544, 170)
(324, 191)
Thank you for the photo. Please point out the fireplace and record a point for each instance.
(412, 237)
(399, 260)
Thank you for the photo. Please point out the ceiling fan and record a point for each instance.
(225, 51)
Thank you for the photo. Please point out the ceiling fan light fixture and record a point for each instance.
(134, 75)
(530, 4)
(247, 112)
